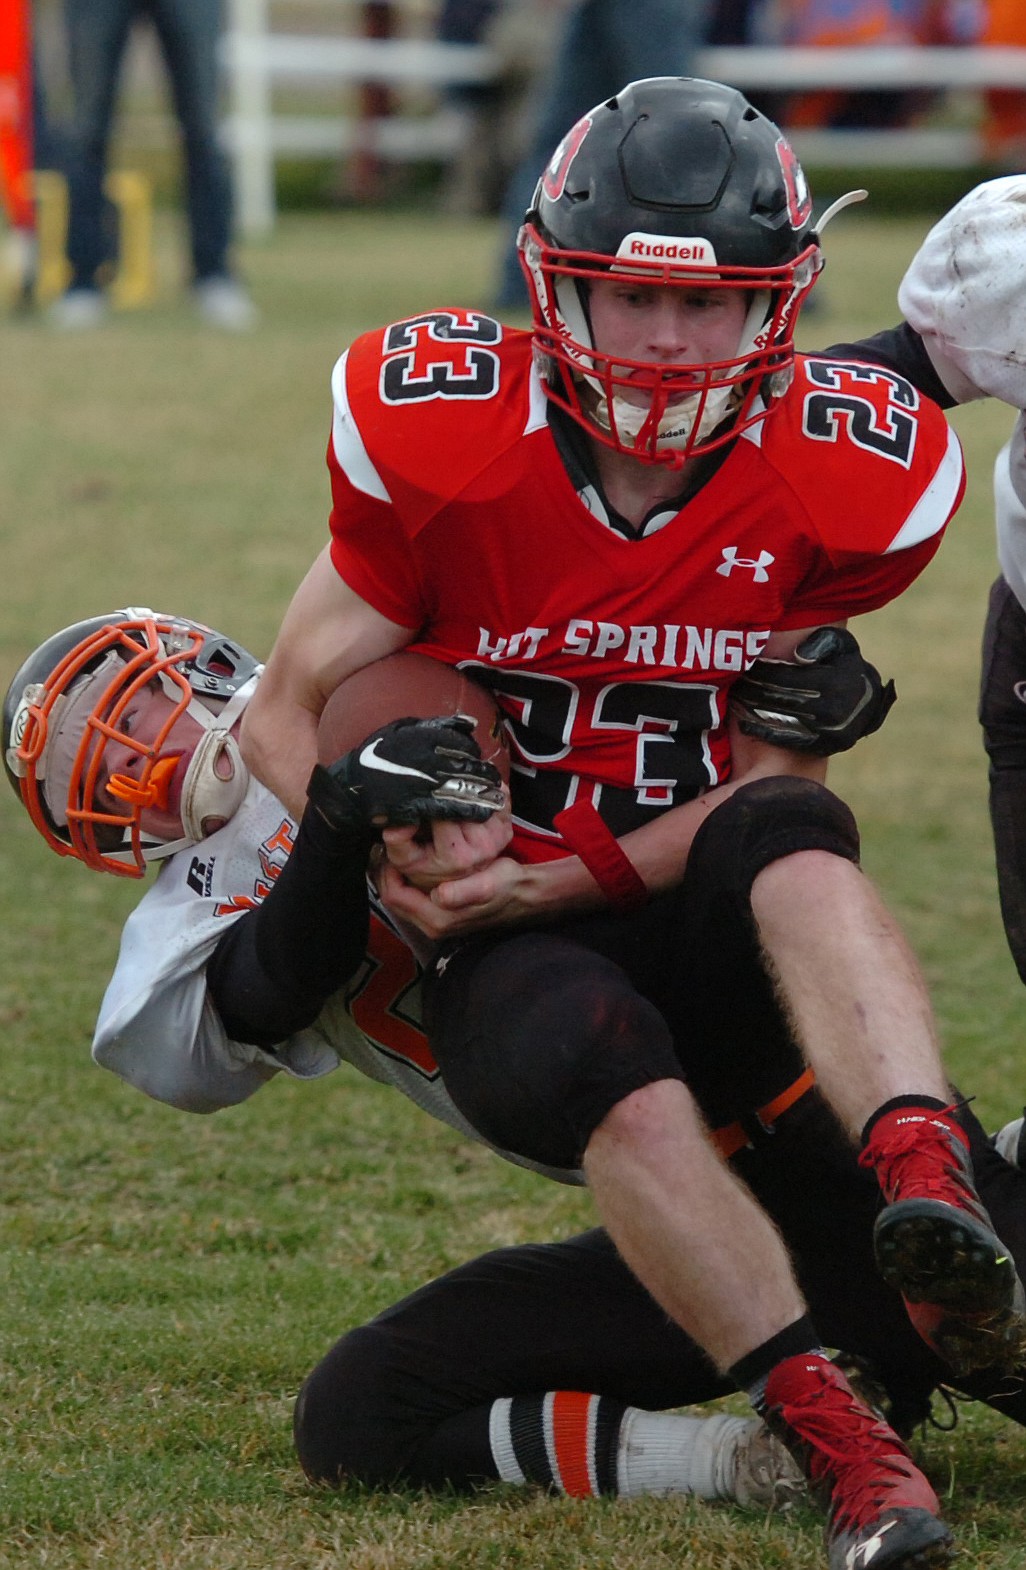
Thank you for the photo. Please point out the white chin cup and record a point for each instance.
(677, 426)
(206, 794)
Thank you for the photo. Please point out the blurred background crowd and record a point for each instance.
(235, 108)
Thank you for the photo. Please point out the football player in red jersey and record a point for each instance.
(614, 533)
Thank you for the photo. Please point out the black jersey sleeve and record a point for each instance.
(274, 968)
(899, 349)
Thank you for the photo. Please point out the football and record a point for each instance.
(402, 684)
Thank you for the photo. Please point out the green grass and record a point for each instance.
(168, 1281)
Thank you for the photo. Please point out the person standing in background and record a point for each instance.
(189, 33)
(603, 43)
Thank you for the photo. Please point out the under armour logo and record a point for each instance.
(757, 567)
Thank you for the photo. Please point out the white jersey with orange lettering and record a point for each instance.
(613, 654)
(159, 1030)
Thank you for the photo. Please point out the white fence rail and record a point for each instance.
(258, 60)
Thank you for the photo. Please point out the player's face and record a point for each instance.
(664, 326)
(141, 723)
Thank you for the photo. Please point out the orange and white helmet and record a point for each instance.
(65, 706)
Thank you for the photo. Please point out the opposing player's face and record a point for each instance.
(664, 325)
(141, 723)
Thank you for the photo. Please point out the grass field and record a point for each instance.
(168, 1281)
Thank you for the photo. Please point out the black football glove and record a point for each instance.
(406, 772)
(822, 704)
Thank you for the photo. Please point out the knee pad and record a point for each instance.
(767, 820)
(537, 1078)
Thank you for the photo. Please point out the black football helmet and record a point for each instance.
(677, 182)
(65, 704)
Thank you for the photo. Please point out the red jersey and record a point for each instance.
(612, 657)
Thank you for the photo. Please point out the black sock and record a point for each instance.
(751, 1372)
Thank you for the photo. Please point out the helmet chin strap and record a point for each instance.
(206, 793)
(678, 420)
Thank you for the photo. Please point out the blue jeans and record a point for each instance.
(188, 31)
(604, 45)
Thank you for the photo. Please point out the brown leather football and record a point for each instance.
(402, 684)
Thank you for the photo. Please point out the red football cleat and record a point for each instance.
(883, 1512)
(935, 1244)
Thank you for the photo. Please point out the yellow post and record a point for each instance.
(53, 272)
(134, 282)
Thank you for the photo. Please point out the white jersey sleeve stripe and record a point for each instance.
(935, 506)
(350, 453)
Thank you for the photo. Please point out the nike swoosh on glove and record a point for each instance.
(409, 771)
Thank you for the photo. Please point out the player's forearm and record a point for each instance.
(509, 893)
(568, 885)
(276, 966)
(658, 852)
(279, 744)
(327, 633)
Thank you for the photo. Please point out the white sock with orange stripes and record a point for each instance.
(585, 1445)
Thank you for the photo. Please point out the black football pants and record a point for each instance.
(540, 1033)
(406, 1398)
(1003, 717)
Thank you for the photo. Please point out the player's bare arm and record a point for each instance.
(451, 885)
(328, 632)
(508, 892)
(846, 693)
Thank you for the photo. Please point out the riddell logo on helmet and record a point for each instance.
(694, 252)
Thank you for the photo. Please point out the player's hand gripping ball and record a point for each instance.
(409, 771)
(822, 704)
